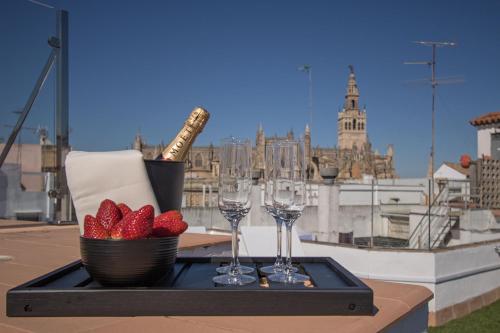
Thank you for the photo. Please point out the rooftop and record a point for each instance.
(486, 119)
(457, 167)
(36, 249)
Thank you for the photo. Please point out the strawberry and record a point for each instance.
(147, 212)
(162, 221)
(171, 215)
(117, 230)
(138, 224)
(93, 229)
(124, 209)
(165, 228)
(108, 214)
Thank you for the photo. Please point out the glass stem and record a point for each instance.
(234, 245)
(279, 259)
(288, 265)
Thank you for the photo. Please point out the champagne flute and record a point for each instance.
(269, 180)
(289, 198)
(235, 187)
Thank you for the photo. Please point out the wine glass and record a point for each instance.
(289, 198)
(269, 180)
(235, 187)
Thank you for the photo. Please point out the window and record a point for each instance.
(352, 103)
(345, 125)
(362, 126)
(348, 125)
(354, 124)
(359, 126)
(198, 161)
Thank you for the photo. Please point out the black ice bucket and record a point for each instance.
(167, 180)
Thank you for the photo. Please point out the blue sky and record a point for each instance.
(143, 65)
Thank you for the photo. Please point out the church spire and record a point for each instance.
(351, 128)
(138, 142)
(352, 95)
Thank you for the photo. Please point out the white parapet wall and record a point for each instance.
(476, 225)
(410, 191)
(465, 272)
(454, 275)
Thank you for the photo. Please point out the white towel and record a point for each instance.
(118, 175)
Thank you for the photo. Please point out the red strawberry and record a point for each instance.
(147, 212)
(171, 215)
(93, 229)
(124, 209)
(161, 222)
(138, 224)
(108, 214)
(117, 230)
(165, 228)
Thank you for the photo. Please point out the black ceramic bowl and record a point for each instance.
(139, 262)
(167, 180)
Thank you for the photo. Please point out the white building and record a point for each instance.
(488, 135)
(451, 171)
(457, 180)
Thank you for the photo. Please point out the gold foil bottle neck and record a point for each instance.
(177, 149)
(198, 118)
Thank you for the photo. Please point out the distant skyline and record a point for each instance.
(141, 66)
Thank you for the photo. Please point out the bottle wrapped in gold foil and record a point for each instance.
(178, 148)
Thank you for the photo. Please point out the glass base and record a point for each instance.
(241, 269)
(237, 280)
(288, 278)
(275, 269)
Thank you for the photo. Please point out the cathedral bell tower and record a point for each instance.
(351, 124)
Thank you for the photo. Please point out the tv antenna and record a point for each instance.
(308, 70)
(434, 82)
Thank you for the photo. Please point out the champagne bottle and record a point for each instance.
(178, 148)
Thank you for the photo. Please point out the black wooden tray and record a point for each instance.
(189, 290)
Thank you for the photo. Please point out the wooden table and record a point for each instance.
(26, 253)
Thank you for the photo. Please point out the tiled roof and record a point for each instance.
(486, 119)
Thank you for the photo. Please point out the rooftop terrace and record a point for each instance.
(35, 249)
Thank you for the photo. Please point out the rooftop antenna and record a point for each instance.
(434, 82)
(308, 70)
(39, 3)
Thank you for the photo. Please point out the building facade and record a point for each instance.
(488, 135)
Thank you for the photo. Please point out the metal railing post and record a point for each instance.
(63, 200)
